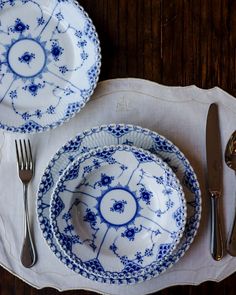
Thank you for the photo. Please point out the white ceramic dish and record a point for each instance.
(49, 63)
(112, 135)
(118, 212)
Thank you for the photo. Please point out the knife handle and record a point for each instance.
(216, 229)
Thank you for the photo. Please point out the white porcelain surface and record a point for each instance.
(49, 66)
(118, 212)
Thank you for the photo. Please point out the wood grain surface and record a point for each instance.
(179, 42)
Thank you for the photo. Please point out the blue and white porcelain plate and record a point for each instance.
(118, 208)
(49, 63)
(116, 134)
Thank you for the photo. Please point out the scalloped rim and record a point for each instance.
(157, 160)
(58, 123)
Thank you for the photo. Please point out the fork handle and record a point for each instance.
(28, 254)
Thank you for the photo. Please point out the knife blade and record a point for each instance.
(215, 178)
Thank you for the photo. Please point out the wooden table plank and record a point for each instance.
(173, 42)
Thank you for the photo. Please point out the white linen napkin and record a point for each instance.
(178, 113)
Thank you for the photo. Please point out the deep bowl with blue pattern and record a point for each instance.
(49, 63)
(118, 211)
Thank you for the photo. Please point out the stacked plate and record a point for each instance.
(119, 204)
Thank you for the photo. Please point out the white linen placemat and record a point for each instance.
(178, 113)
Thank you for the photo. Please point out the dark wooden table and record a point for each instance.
(179, 42)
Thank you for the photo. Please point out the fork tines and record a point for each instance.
(24, 154)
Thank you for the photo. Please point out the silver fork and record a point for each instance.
(25, 169)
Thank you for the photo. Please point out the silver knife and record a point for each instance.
(215, 178)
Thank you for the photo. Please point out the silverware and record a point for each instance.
(230, 159)
(214, 175)
(25, 169)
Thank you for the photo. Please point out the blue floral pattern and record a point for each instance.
(112, 200)
(145, 195)
(56, 51)
(118, 206)
(105, 179)
(143, 138)
(38, 59)
(129, 233)
(27, 57)
(18, 27)
(90, 217)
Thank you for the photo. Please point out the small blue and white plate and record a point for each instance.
(49, 63)
(120, 208)
(116, 134)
